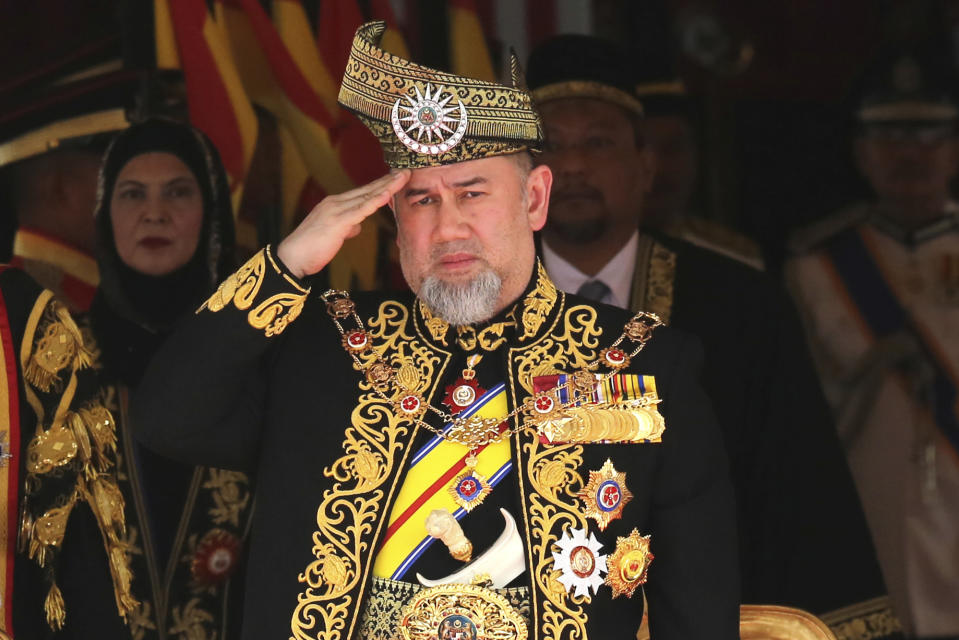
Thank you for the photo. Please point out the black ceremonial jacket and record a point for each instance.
(259, 380)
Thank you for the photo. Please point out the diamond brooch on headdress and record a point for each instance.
(429, 115)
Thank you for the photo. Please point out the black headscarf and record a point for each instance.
(132, 311)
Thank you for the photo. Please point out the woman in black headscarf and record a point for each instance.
(165, 239)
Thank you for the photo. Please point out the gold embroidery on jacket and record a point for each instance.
(241, 288)
(435, 325)
(61, 346)
(571, 349)
(349, 515)
(552, 472)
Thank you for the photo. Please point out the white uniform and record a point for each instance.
(906, 471)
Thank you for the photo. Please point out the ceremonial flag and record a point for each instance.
(469, 55)
(218, 104)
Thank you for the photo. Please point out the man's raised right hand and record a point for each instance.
(314, 243)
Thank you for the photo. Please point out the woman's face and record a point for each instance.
(156, 211)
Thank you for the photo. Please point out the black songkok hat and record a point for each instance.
(580, 66)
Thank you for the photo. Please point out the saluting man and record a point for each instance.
(878, 284)
(489, 457)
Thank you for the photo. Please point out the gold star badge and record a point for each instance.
(627, 566)
(605, 495)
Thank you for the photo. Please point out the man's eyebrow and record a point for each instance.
(409, 193)
(470, 182)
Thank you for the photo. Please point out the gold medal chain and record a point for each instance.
(475, 432)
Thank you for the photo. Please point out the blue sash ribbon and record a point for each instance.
(882, 312)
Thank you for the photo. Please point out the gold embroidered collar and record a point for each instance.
(524, 319)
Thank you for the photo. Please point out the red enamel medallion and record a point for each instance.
(356, 341)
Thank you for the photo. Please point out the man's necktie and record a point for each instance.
(595, 290)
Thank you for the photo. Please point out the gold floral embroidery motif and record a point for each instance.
(572, 349)
(230, 495)
(349, 514)
(434, 324)
(538, 303)
(272, 315)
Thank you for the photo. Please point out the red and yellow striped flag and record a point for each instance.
(188, 36)
(469, 55)
(218, 104)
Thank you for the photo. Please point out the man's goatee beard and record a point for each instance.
(460, 304)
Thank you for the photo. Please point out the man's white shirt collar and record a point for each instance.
(617, 274)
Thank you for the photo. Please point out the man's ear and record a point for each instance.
(538, 185)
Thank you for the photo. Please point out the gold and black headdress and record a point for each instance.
(424, 117)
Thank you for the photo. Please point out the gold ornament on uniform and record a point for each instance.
(423, 117)
(628, 564)
(60, 346)
(605, 495)
(461, 612)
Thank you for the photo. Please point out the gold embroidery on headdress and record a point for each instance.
(479, 119)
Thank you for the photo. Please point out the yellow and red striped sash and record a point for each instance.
(426, 487)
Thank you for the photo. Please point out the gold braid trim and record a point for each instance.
(864, 621)
(272, 315)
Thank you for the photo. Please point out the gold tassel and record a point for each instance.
(85, 449)
(97, 423)
(83, 358)
(55, 609)
(122, 578)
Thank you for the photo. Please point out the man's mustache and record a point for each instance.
(455, 246)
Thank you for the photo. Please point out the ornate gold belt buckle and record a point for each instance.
(461, 612)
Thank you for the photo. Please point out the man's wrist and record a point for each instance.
(282, 256)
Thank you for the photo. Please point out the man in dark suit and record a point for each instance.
(391, 436)
(797, 506)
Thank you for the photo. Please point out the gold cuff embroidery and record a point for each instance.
(272, 315)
